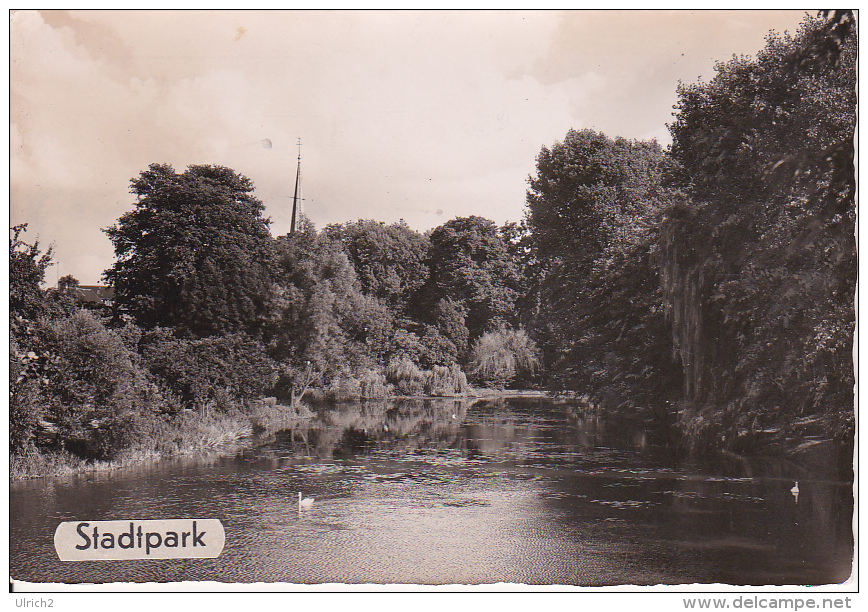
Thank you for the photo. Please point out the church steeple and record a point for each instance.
(295, 195)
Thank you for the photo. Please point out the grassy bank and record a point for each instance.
(193, 433)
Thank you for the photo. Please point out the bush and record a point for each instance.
(344, 388)
(215, 372)
(406, 376)
(367, 385)
(24, 409)
(25, 412)
(31, 462)
(438, 349)
(87, 386)
(411, 380)
(499, 356)
(374, 385)
(446, 381)
(267, 415)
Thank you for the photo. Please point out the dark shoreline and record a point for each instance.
(63, 463)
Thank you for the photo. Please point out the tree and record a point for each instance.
(519, 240)
(589, 191)
(593, 209)
(446, 338)
(218, 372)
(67, 285)
(389, 259)
(499, 356)
(195, 254)
(88, 385)
(27, 265)
(321, 317)
(470, 266)
(28, 357)
(760, 256)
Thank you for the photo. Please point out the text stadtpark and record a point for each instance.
(134, 539)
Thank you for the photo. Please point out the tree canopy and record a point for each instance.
(470, 266)
(593, 207)
(321, 316)
(27, 265)
(760, 256)
(195, 253)
(389, 259)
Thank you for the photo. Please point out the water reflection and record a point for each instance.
(445, 491)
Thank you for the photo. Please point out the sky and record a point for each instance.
(415, 115)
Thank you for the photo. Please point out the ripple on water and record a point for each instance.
(522, 493)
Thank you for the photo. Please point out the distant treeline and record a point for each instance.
(710, 285)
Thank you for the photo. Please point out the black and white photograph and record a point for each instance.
(434, 300)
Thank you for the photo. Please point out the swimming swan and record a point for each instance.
(795, 489)
(307, 502)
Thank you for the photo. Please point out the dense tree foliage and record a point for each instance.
(195, 254)
(472, 276)
(593, 210)
(80, 383)
(321, 315)
(389, 260)
(719, 277)
(590, 192)
(206, 373)
(27, 359)
(27, 265)
(519, 245)
(760, 259)
(712, 284)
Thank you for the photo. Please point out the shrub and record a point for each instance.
(406, 376)
(407, 344)
(24, 409)
(438, 349)
(25, 412)
(90, 387)
(446, 381)
(411, 380)
(217, 372)
(344, 388)
(267, 414)
(31, 462)
(374, 385)
(499, 356)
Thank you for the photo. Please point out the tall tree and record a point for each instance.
(519, 245)
(27, 360)
(470, 266)
(389, 259)
(760, 259)
(27, 265)
(321, 316)
(593, 209)
(195, 253)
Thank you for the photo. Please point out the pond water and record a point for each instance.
(447, 491)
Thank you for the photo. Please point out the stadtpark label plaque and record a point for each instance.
(139, 539)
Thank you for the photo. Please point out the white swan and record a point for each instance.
(307, 502)
(795, 489)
